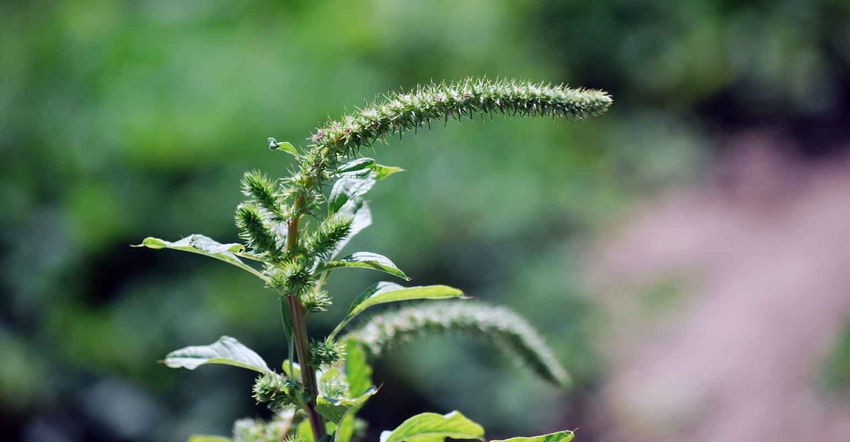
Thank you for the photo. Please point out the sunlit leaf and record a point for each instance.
(432, 427)
(334, 409)
(225, 351)
(367, 260)
(208, 438)
(561, 436)
(361, 165)
(385, 292)
(204, 245)
(283, 146)
(357, 370)
(382, 171)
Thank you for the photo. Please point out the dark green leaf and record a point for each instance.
(349, 189)
(432, 427)
(226, 351)
(206, 246)
(362, 219)
(367, 260)
(561, 436)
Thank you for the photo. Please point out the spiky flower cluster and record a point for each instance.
(277, 392)
(326, 352)
(400, 112)
(496, 324)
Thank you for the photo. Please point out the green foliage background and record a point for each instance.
(120, 120)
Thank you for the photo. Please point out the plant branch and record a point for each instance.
(300, 337)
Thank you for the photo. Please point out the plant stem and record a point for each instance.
(300, 338)
(308, 374)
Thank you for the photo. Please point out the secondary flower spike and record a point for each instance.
(399, 112)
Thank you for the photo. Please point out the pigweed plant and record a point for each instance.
(293, 230)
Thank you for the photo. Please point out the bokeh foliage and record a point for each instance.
(123, 119)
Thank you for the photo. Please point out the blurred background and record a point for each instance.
(686, 255)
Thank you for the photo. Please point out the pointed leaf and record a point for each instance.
(358, 166)
(366, 260)
(283, 146)
(225, 351)
(334, 409)
(385, 292)
(204, 245)
(382, 171)
(561, 436)
(349, 188)
(208, 438)
(432, 427)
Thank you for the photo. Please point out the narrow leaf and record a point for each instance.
(366, 260)
(382, 171)
(208, 438)
(385, 292)
(204, 245)
(561, 436)
(432, 427)
(360, 165)
(283, 146)
(225, 351)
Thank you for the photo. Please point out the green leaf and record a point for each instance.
(561, 436)
(357, 370)
(283, 146)
(432, 427)
(359, 210)
(382, 171)
(345, 429)
(385, 292)
(208, 438)
(292, 370)
(204, 245)
(225, 351)
(334, 409)
(286, 318)
(349, 189)
(357, 167)
(366, 260)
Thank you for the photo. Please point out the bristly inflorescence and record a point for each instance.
(399, 112)
(496, 324)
